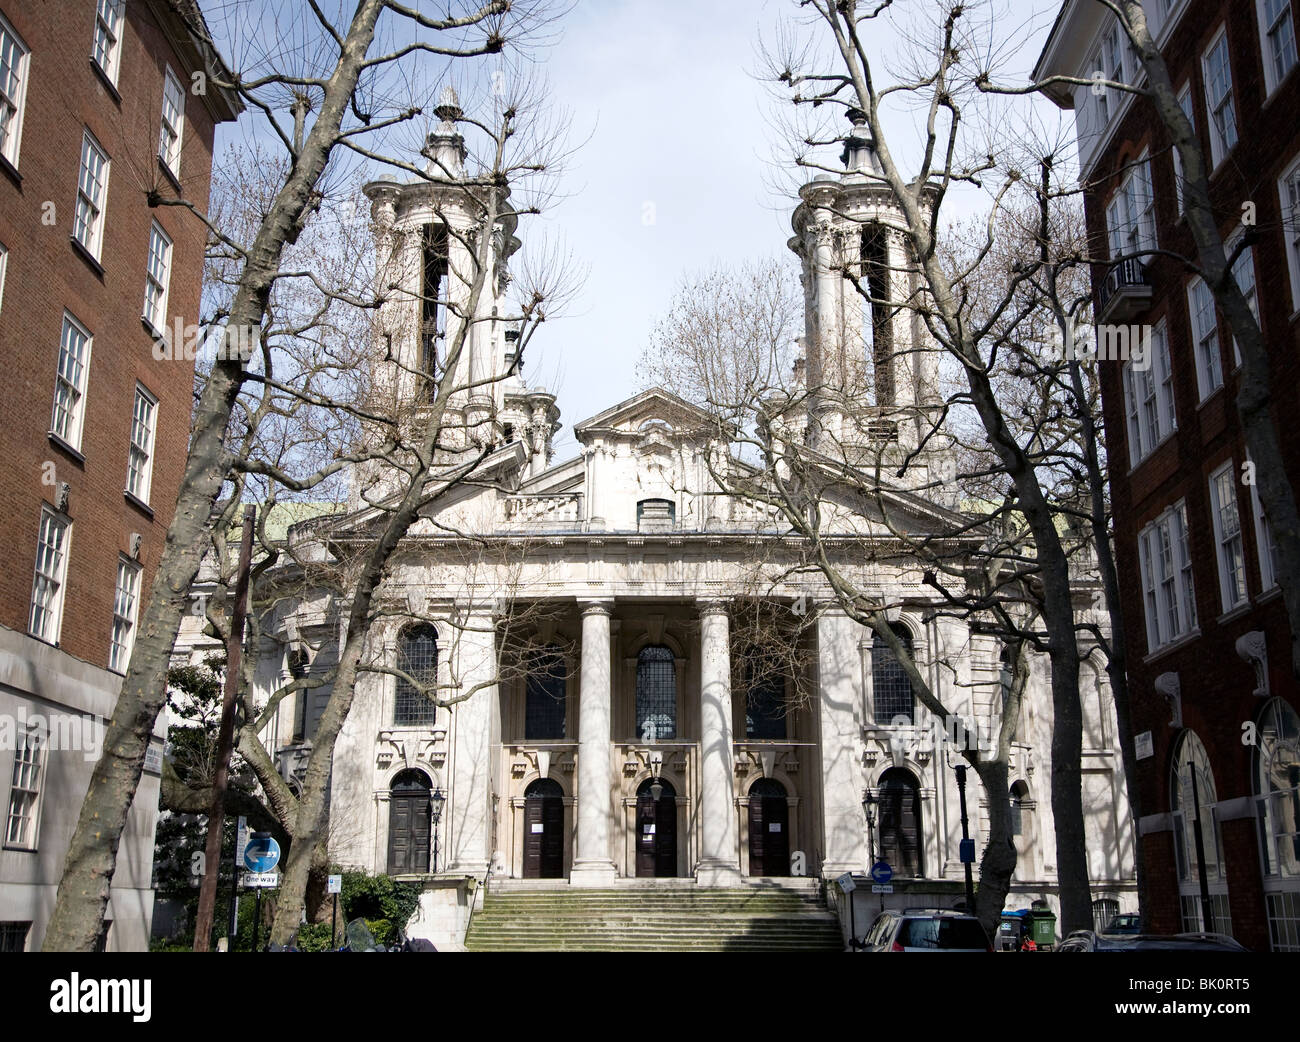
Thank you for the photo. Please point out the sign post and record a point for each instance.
(335, 887)
(260, 858)
(881, 874)
(848, 886)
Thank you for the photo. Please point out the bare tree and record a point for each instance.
(354, 89)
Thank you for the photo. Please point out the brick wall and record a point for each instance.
(47, 274)
(1217, 686)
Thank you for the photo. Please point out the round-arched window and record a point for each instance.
(656, 694)
(417, 657)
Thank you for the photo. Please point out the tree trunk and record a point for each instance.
(998, 862)
(92, 852)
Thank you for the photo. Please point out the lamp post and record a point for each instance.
(967, 854)
(436, 801)
(869, 801)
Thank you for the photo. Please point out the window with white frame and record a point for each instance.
(1217, 69)
(70, 382)
(139, 465)
(1109, 61)
(1277, 40)
(14, 62)
(1193, 800)
(1149, 398)
(157, 278)
(92, 193)
(1289, 192)
(107, 51)
(126, 602)
(51, 575)
(1227, 536)
(1169, 595)
(1205, 333)
(1185, 103)
(1264, 544)
(23, 820)
(1130, 217)
(173, 123)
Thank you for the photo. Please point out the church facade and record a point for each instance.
(588, 620)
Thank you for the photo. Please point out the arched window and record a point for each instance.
(900, 822)
(891, 689)
(1277, 789)
(877, 316)
(765, 708)
(298, 664)
(417, 656)
(1019, 793)
(544, 696)
(655, 515)
(656, 694)
(409, 821)
(1193, 797)
(1104, 909)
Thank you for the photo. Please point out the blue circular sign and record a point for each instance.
(262, 853)
(881, 872)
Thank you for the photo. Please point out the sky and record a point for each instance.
(678, 166)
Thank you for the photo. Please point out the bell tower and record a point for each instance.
(869, 367)
(427, 237)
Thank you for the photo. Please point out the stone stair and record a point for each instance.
(661, 917)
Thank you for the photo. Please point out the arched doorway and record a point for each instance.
(900, 822)
(769, 829)
(656, 830)
(544, 830)
(409, 821)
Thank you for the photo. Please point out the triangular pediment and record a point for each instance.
(655, 414)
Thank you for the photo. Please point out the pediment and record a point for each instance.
(652, 417)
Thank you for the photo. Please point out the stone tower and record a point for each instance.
(427, 240)
(869, 366)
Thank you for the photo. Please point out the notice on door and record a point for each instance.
(774, 826)
(649, 830)
(538, 827)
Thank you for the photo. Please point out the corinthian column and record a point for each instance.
(719, 858)
(592, 865)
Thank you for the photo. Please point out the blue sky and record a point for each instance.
(678, 165)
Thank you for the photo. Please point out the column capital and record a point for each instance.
(714, 606)
(597, 607)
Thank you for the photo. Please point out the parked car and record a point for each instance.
(926, 930)
(1088, 941)
(1124, 923)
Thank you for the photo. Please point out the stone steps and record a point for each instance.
(663, 917)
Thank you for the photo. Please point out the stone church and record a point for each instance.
(625, 745)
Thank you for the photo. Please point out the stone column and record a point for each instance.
(840, 720)
(471, 650)
(592, 864)
(719, 859)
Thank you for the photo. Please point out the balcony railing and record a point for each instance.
(555, 510)
(1126, 290)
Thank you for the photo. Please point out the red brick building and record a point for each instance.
(106, 112)
(1209, 645)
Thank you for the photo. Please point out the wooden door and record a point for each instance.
(409, 824)
(769, 825)
(544, 831)
(656, 831)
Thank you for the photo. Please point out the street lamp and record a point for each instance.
(436, 801)
(869, 801)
